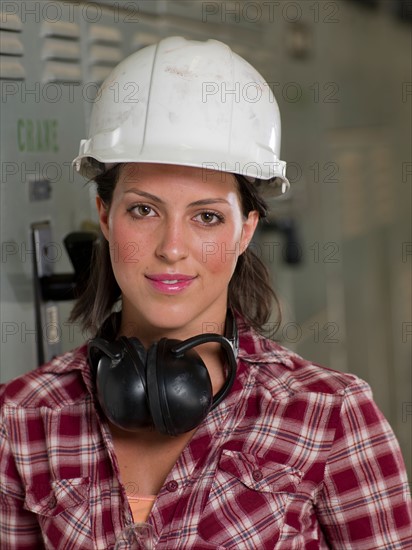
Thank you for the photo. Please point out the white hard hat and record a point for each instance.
(189, 103)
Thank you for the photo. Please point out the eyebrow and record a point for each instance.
(158, 200)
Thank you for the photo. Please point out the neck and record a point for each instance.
(134, 325)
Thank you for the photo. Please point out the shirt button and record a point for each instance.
(257, 475)
(52, 503)
(172, 486)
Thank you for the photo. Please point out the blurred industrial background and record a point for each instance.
(339, 247)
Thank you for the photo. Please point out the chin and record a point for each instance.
(168, 318)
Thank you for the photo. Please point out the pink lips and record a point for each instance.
(170, 283)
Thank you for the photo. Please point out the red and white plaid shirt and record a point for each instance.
(296, 457)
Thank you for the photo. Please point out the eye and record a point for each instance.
(209, 217)
(141, 211)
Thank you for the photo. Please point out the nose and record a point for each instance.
(172, 241)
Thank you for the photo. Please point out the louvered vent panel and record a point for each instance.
(105, 51)
(61, 52)
(11, 48)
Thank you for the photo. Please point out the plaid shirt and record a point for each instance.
(297, 456)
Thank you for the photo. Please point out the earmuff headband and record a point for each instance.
(230, 353)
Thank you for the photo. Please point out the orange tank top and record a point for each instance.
(141, 506)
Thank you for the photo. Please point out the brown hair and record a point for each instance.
(250, 292)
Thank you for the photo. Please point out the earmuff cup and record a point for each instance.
(179, 388)
(167, 387)
(121, 385)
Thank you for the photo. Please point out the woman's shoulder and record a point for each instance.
(283, 370)
(58, 382)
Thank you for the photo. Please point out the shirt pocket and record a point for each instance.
(247, 501)
(63, 511)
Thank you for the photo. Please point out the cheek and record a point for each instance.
(125, 246)
(219, 255)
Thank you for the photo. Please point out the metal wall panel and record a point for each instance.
(41, 122)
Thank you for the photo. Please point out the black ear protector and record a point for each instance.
(167, 387)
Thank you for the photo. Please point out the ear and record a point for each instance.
(248, 229)
(103, 213)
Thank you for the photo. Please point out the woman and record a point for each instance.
(280, 454)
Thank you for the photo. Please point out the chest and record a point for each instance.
(144, 463)
(236, 480)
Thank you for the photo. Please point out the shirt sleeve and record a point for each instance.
(365, 502)
(19, 529)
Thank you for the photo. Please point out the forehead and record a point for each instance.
(151, 174)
